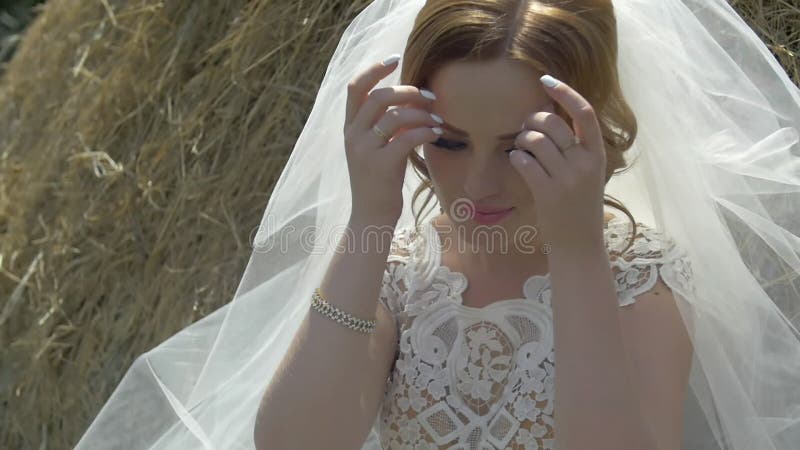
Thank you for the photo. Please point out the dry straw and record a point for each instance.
(126, 131)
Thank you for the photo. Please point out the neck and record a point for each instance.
(491, 250)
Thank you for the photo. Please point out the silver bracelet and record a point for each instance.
(339, 316)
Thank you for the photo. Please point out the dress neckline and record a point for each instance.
(535, 288)
(532, 288)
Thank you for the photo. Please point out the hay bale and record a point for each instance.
(777, 23)
(140, 142)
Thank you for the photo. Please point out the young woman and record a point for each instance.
(468, 333)
(523, 315)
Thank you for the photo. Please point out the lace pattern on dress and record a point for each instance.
(652, 255)
(482, 378)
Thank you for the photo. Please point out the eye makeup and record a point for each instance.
(454, 146)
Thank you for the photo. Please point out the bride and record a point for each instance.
(670, 323)
(500, 398)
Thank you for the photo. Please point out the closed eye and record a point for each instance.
(454, 146)
(448, 145)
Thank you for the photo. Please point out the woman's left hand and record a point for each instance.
(567, 179)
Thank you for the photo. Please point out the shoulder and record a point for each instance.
(652, 262)
(653, 275)
(404, 255)
(404, 242)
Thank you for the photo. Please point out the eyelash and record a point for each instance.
(450, 146)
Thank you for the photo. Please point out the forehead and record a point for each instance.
(485, 95)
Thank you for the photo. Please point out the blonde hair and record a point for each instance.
(575, 41)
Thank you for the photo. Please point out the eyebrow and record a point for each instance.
(465, 134)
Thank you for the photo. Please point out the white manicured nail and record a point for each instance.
(437, 130)
(437, 118)
(428, 94)
(391, 60)
(549, 81)
(516, 155)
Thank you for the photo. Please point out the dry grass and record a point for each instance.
(126, 131)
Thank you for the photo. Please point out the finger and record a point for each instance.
(553, 126)
(407, 140)
(358, 87)
(548, 107)
(379, 100)
(543, 149)
(582, 113)
(399, 119)
(531, 171)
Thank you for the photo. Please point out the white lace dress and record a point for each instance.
(482, 378)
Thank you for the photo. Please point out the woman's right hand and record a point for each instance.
(377, 167)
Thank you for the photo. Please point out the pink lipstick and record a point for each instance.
(489, 216)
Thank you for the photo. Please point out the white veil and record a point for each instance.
(717, 169)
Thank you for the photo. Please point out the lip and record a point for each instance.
(485, 218)
(490, 210)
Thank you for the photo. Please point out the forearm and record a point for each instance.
(332, 379)
(596, 405)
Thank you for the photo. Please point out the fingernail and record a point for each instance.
(391, 60)
(428, 94)
(437, 118)
(520, 159)
(437, 130)
(549, 81)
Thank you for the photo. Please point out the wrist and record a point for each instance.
(362, 221)
(585, 247)
(369, 234)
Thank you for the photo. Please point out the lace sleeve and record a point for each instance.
(652, 255)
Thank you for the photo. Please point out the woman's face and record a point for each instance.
(487, 102)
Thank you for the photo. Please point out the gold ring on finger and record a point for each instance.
(573, 142)
(381, 134)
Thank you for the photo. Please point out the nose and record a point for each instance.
(483, 179)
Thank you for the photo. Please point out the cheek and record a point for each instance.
(443, 168)
(521, 190)
(447, 172)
